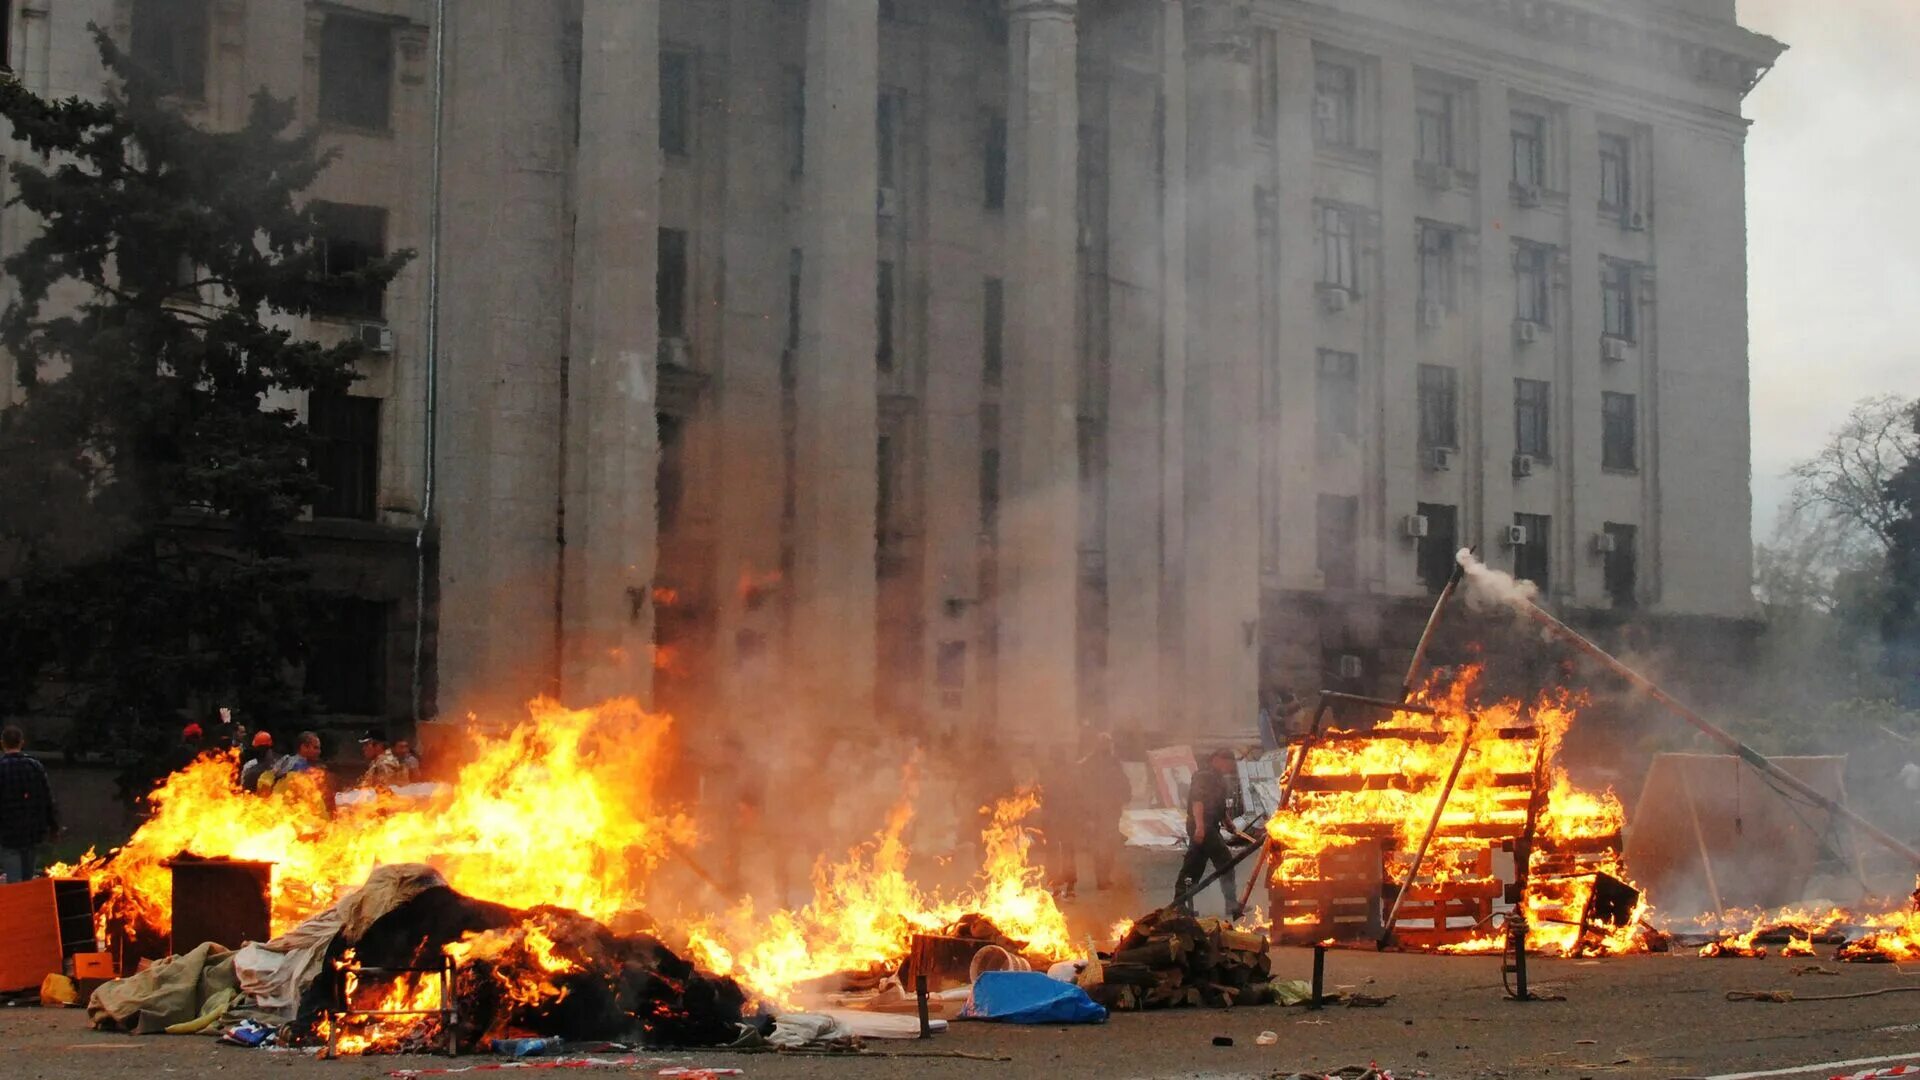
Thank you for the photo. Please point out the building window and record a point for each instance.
(995, 175)
(1439, 407)
(993, 330)
(1266, 82)
(883, 315)
(1439, 547)
(345, 429)
(1623, 559)
(1434, 118)
(1616, 300)
(1529, 150)
(887, 120)
(1533, 283)
(1616, 177)
(352, 238)
(1532, 416)
(989, 468)
(356, 72)
(1339, 252)
(170, 42)
(670, 480)
(670, 287)
(1335, 95)
(6, 35)
(950, 665)
(1436, 267)
(347, 655)
(884, 464)
(676, 103)
(1530, 560)
(795, 264)
(1337, 391)
(1619, 431)
(1338, 538)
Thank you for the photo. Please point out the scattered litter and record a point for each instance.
(625, 1062)
(247, 1033)
(1029, 997)
(1815, 969)
(1367, 1001)
(1266, 1038)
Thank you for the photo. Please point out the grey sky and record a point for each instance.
(1833, 183)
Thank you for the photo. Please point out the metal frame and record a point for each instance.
(340, 1009)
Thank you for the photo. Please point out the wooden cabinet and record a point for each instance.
(42, 922)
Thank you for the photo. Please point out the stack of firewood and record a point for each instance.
(1170, 959)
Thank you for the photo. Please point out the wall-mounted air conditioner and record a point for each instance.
(374, 337)
(1516, 536)
(1349, 666)
(1604, 543)
(1416, 526)
(1613, 348)
(1526, 331)
(1335, 299)
(1522, 465)
(1431, 314)
(1439, 458)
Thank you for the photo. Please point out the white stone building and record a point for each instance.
(1012, 361)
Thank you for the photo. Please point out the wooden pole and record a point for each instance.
(1700, 841)
(1433, 826)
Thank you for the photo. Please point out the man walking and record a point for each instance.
(28, 816)
(1206, 817)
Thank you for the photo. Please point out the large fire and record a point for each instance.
(562, 810)
(1362, 800)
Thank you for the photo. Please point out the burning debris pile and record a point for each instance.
(1448, 783)
(447, 970)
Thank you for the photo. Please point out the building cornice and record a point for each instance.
(1723, 55)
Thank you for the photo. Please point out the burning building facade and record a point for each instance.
(1015, 359)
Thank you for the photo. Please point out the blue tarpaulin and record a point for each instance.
(1028, 997)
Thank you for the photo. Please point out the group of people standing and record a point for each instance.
(1081, 799)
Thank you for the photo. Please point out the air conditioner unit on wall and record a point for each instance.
(374, 337)
(1522, 465)
(1613, 348)
(888, 202)
(1416, 526)
(1324, 108)
(1335, 298)
(1526, 331)
(1516, 536)
(1439, 458)
(1527, 194)
(1604, 543)
(1349, 666)
(1431, 315)
(1634, 222)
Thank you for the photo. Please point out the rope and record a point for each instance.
(1782, 997)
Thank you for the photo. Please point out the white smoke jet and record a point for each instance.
(1487, 587)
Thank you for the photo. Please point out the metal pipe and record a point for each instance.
(1319, 974)
(1426, 635)
(920, 995)
(1740, 750)
(434, 229)
(1433, 826)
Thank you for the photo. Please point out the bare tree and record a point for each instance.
(1845, 484)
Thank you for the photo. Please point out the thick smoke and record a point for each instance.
(1487, 587)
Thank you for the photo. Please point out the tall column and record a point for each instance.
(503, 294)
(613, 439)
(1040, 534)
(836, 426)
(1173, 351)
(1223, 373)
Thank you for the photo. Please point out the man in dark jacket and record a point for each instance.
(28, 816)
(1207, 816)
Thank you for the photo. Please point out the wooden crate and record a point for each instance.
(1342, 902)
(42, 922)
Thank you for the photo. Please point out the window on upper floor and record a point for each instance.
(1339, 248)
(1439, 389)
(676, 102)
(1533, 418)
(670, 286)
(994, 190)
(1440, 546)
(1529, 150)
(1533, 283)
(352, 238)
(989, 468)
(796, 264)
(1531, 560)
(6, 35)
(883, 314)
(796, 122)
(1437, 276)
(345, 429)
(1616, 174)
(1433, 112)
(1622, 564)
(347, 655)
(170, 42)
(1619, 431)
(1266, 82)
(993, 329)
(356, 72)
(1616, 299)
(1337, 540)
(888, 119)
(1336, 101)
(1337, 395)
